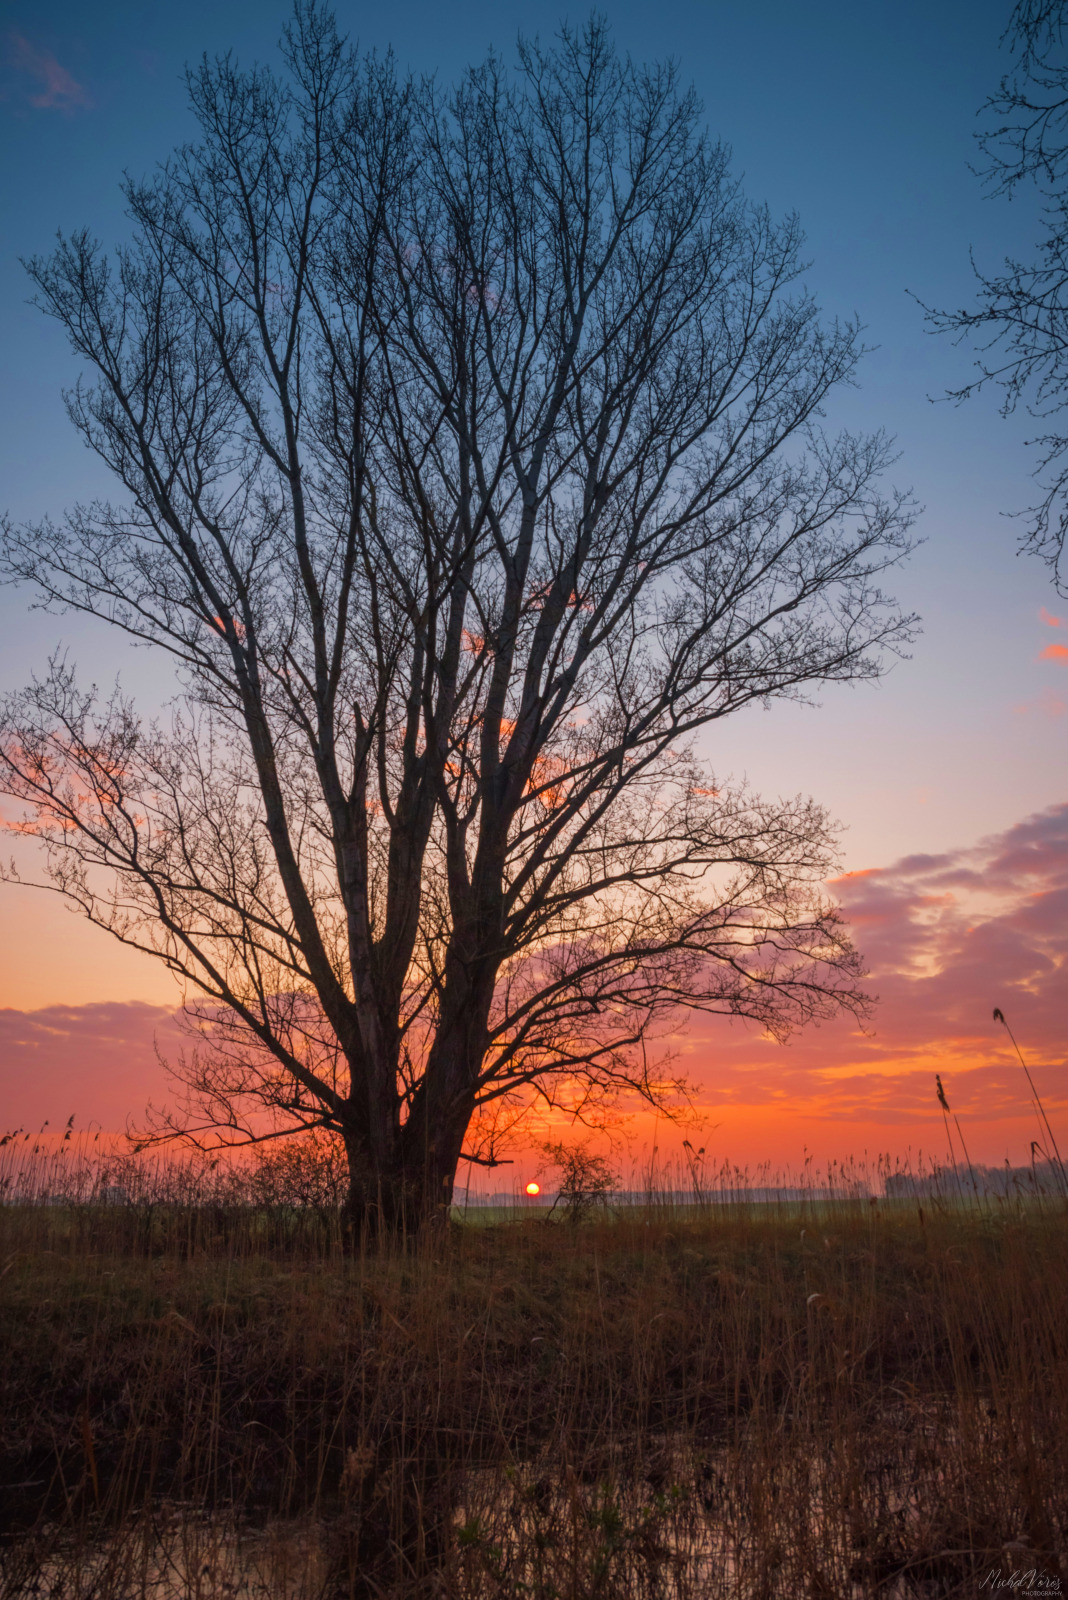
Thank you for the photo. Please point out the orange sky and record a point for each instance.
(947, 937)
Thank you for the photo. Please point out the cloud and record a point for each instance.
(947, 938)
(58, 90)
(1054, 652)
(97, 1061)
(1046, 704)
(1050, 621)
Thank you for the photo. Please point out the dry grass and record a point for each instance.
(843, 1400)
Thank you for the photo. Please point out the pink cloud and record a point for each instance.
(98, 1062)
(59, 90)
(1054, 652)
(1047, 704)
(1050, 621)
(947, 937)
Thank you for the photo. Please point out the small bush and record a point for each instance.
(309, 1170)
(586, 1179)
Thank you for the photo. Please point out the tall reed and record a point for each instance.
(828, 1393)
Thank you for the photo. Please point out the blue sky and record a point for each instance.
(861, 118)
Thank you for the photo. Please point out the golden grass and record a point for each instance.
(856, 1399)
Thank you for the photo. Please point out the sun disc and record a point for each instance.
(533, 1188)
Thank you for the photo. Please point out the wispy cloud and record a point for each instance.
(97, 1061)
(947, 937)
(1046, 704)
(1049, 620)
(1054, 652)
(57, 89)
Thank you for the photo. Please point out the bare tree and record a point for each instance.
(472, 464)
(1019, 323)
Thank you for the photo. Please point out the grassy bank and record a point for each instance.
(866, 1399)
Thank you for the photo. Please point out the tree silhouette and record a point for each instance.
(471, 461)
(1019, 322)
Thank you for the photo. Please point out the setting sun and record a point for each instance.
(533, 1188)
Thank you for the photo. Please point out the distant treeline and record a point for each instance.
(1043, 1178)
(742, 1194)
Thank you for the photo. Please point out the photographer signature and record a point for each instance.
(1030, 1582)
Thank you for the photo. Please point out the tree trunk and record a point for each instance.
(402, 1176)
(408, 1189)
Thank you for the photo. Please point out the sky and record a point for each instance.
(948, 776)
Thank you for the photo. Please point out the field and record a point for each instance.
(823, 1399)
